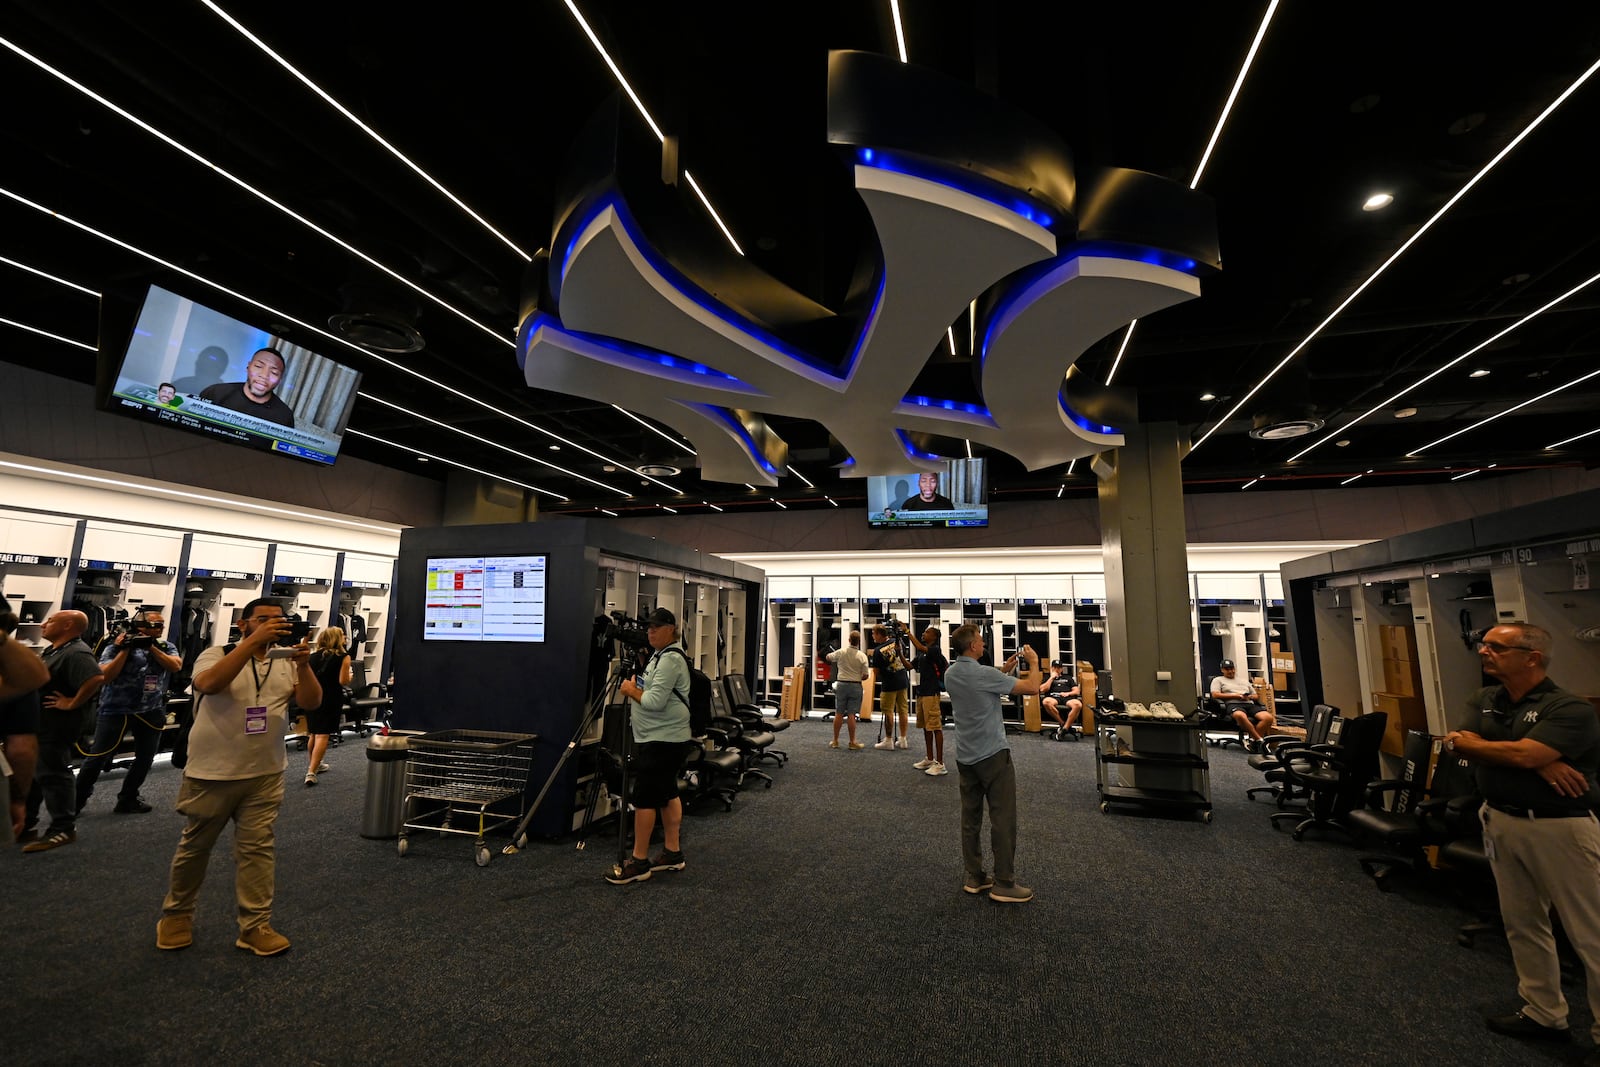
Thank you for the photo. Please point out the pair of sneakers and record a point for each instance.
(930, 766)
(1004, 894)
(889, 742)
(640, 870)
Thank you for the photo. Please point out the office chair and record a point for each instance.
(1400, 826)
(1334, 778)
(744, 708)
(368, 703)
(1318, 727)
(749, 742)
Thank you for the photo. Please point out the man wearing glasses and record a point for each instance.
(1537, 751)
(137, 667)
(235, 773)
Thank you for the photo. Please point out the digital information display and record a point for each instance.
(485, 598)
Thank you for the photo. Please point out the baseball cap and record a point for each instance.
(1227, 664)
(661, 617)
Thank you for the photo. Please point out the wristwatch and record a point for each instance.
(1450, 743)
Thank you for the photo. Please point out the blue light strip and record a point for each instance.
(911, 449)
(726, 417)
(948, 405)
(1082, 422)
(964, 181)
(622, 348)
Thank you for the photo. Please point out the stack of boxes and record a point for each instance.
(794, 684)
(1401, 695)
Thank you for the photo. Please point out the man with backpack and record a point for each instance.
(660, 724)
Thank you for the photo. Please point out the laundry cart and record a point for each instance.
(465, 782)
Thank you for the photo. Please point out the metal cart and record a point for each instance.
(465, 782)
(1153, 763)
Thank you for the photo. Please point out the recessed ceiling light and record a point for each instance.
(1344, 443)
(659, 470)
(1404, 413)
(1481, 372)
(555, 448)
(422, 459)
(1208, 396)
(1378, 201)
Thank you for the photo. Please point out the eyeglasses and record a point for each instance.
(1497, 648)
(263, 618)
(146, 624)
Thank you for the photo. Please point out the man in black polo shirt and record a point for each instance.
(1537, 756)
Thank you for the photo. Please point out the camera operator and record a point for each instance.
(235, 772)
(22, 672)
(137, 667)
(75, 680)
(894, 682)
(660, 724)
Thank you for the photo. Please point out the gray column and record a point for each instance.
(1148, 626)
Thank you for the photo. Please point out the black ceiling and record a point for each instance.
(1343, 100)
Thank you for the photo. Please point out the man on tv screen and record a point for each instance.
(167, 395)
(928, 497)
(254, 395)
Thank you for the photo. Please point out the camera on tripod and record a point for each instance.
(627, 631)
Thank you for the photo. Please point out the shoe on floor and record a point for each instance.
(901, 743)
(1011, 894)
(263, 941)
(668, 861)
(635, 870)
(136, 806)
(886, 743)
(55, 840)
(923, 764)
(323, 768)
(28, 837)
(856, 746)
(311, 780)
(935, 770)
(175, 932)
(1519, 1025)
(977, 885)
(834, 743)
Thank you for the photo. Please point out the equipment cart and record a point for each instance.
(466, 782)
(1157, 763)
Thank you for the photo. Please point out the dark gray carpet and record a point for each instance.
(821, 922)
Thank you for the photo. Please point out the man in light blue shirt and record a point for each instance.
(983, 760)
(660, 724)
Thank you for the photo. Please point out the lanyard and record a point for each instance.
(259, 679)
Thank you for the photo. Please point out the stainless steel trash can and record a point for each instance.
(384, 809)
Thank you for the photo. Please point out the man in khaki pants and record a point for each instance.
(1537, 751)
(235, 772)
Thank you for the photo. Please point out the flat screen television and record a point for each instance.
(194, 368)
(955, 496)
(484, 598)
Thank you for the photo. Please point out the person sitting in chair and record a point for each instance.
(1239, 698)
(1061, 692)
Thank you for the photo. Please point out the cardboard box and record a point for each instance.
(1282, 662)
(1408, 711)
(1265, 694)
(1402, 677)
(1088, 682)
(1394, 737)
(1030, 713)
(1399, 642)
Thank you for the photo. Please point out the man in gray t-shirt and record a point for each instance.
(983, 760)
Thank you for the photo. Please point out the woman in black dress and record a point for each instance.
(331, 664)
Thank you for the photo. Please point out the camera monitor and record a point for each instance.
(194, 368)
(955, 496)
(484, 598)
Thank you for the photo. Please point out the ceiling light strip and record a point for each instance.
(1465, 355)
(497, 334)
(809, 483)
(47, 333)
(1238, 83)
(1467, 474)
(638, 105)
(710, 505)
(493, 444)
(899, 30)
(778, 502)
(1507, 411)
(656, 430)
(219, 287)
(464, 466)
(363, 127)
(1569, 440)
(52, 277)
(183, 494)
(1126, 337)
(1426, 226)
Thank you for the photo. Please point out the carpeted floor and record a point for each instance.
(820, 922)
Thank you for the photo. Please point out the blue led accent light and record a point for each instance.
(622, 348)
(1137, 253)
(948, 405)
(725, 416)
(709, 304)
(1085, 423)
(961, 180)
(911, 449)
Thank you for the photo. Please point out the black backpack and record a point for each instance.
(699, 700)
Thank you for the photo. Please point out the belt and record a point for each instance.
(1539, 813)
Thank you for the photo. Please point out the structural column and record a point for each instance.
(1148, 626)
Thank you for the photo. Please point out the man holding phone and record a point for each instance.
(235, 772)
(136, 667)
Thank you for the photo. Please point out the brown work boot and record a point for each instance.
(174, 932)
(263, 940)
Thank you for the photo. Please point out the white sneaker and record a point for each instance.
(936, 770)
(923, 764)
(886, 743)
(901, 743)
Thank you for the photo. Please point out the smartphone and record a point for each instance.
(279, 652)
(299, 630)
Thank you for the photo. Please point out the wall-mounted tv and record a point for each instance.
(955, 496)
(484, 598)
(194, 368)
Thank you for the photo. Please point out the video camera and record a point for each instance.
(134, 639)
(627, 631)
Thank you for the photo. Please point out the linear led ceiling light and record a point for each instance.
(1355, 478)
(1507, 411)
(47, 333)
(363, 127)
(809, 483)
(710, 505)
(425, 456)
(335, 338)
(1468, 353)
(1126, 337)
(497, 334)
(658, 431)
(1569, 440)
(639, 106)
(899, 31)
(1413, 239)
(51, 277)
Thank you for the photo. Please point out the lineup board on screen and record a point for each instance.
(485, 598)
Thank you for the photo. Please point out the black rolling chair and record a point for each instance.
(1398, 825)
(710, 771)
(1334, 778)
(743, 707)
(367, 703)
(1318, 726)
(734, 736)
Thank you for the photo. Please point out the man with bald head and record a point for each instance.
(67, 702)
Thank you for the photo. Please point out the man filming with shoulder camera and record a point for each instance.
(235, 772)
(660, 725)
(136, 667)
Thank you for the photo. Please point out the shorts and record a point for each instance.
(894, 700)
(655, 772)
(20, 716)
(929, 715)
(847, 698)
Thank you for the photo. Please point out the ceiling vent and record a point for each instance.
(376, 332)
(1284, 425)
(658, 470)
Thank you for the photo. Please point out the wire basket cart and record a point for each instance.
(465, 782)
